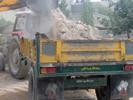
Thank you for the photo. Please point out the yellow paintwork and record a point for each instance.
(4, 8)
(27, 49)
(90, 68)
(114, 51)
(8, 2)
(33, 52)
(64, 52)
(122, 50)
(58, 49)
(9, 5)
(89, 51)
(21, 46)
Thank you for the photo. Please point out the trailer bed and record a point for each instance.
(59, 51)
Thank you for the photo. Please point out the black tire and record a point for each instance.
(104, 92)
(2, 62)
(17, 67)
(31, 84)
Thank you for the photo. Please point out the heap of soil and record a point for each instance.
(70, 30)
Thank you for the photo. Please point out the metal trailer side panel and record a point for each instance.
(59, 51)
(77, 51)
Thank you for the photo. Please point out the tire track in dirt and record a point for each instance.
(14, 89)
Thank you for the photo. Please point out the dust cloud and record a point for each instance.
(47, 19)
(58, 27)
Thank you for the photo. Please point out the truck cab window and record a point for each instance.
(21, 23)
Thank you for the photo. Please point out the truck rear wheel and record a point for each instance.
(16, 66)
(2, 62)
(103, 93)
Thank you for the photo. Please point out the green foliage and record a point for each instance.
(63, 6)
(2, 40)
(101, 9)
(105, 22)
(4, 23)
(121, 19)
(87, 12)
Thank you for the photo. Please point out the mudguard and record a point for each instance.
(121, 86)
(50, 89)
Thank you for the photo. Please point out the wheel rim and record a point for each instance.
(14, 58)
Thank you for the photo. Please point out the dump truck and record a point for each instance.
(58, 65)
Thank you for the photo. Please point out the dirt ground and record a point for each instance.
(13, 89)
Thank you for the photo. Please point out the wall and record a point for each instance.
(96, 19)
(104, 34)
(8, 15)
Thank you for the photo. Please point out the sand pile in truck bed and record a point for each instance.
(69, 30)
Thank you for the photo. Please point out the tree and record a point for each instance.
(102, 9)
(63, 6)
(121, 19)
(87, 12)
(4, 23)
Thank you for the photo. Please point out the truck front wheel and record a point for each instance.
(16, 65)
